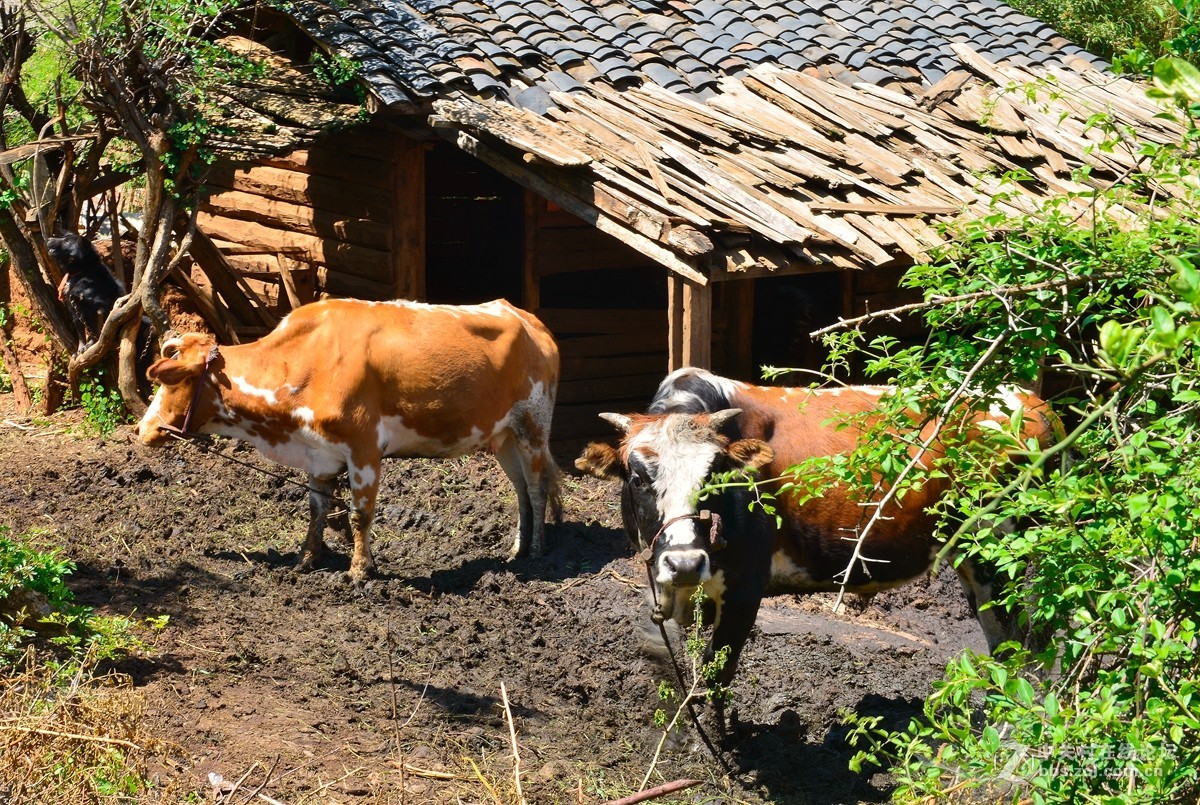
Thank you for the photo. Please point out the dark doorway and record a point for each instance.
(475, 230)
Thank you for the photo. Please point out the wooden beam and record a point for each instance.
(689, 313)
(738, 306)
(884, 208)
(408, 215)
(226, 282)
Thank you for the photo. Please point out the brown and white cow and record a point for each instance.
(341, 384)
(700, 424)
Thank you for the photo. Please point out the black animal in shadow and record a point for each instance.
(88, 288)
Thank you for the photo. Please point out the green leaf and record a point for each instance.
(1177, 78)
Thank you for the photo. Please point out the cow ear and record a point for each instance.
(752, 454)
(169, 372)
(599, 460)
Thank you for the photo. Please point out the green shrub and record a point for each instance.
(1115, 29)
(1107, 558)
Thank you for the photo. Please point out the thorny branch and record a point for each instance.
(1005, 291)
(879, 506)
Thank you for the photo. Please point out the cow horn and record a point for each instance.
(619, 421)
(718, 419)
(170, 346)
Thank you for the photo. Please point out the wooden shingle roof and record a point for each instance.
(728, 137)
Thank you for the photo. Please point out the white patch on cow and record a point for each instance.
(715, 588)
(250, 390)
(496, 307)
(222, 409)
(682, 468)
(362, 476)
(153, 417)
(303, 448)
(539, 397)
(538, 406)
(381, 437)
(675, 603)
(837, 391)
(397, 439)
(304, 415)
(1008, 404)
(683, 465)
(787, 573)
(686, 400)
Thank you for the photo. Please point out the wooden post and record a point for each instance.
(739, 330)
(532, 292)
(689, 308)
(408, 216)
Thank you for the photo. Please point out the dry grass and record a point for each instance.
(73, 737)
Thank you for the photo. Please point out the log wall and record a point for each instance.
(325, 215)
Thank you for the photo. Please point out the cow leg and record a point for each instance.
(364, 489)
(979, 583)
(1000, 624)
(735, 622)
(320, 498)
(735, 618)
(514, 462)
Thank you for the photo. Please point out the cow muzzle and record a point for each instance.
(153, 432)
(682, 567)
(675, 571)
(688, 565)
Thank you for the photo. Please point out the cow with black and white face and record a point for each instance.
(700, 424)
(665, 462)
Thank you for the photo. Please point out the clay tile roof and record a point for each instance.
(409, 49)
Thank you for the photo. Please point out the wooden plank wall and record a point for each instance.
(326, 214)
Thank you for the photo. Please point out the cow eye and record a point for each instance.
(638, 479)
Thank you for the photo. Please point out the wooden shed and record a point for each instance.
(664, 183)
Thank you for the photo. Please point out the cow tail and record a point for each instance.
(553, 489)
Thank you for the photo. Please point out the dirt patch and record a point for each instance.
(391, 693)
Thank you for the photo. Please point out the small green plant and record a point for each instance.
(702, 684)
(336, 70)
(35, 602)
(104, 409)
(1110, 28)
(158, 622)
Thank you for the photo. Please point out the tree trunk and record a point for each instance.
(127, 368)
(21, 393)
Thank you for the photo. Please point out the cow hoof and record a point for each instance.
(361, 573)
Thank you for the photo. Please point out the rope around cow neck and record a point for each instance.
(648, 557)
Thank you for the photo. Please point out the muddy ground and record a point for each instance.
(392, 692)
